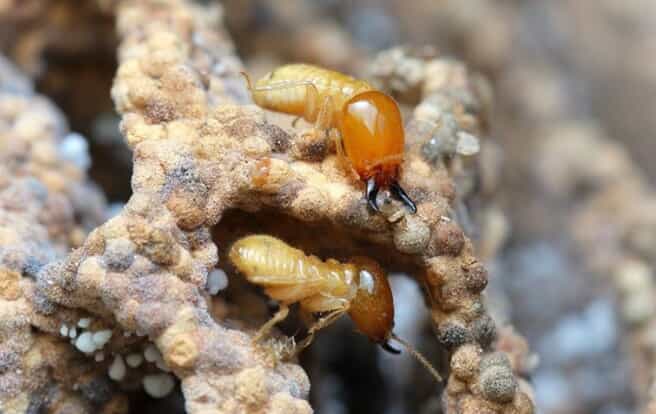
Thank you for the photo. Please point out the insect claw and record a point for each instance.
(387, 347)
(396, 189)
(371, 192)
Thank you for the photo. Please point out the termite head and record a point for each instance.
(374, 142)
(372, 308)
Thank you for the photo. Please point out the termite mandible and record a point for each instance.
(359, 288)
(368, 122)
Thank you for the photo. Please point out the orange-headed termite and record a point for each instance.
(359, 288)
(370, 129)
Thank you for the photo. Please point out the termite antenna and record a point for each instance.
(419, 357)
(248, 80)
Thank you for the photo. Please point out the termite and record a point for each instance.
(368, 125)
(330, 288)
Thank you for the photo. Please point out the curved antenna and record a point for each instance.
(248, 81)
(419, 357)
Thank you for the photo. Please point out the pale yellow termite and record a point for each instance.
(365, 123)
(359, 288)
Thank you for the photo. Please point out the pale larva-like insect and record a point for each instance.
(331, 288)
(370, 129)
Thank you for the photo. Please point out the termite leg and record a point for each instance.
(371, 192)
(249, 85)
(325, 113)
(318, 325)
(264, 329)
(321, 112)
(339, 146)
(336, 137)
(403, 196)
(389, 348)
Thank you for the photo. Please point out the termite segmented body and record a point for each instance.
(288, 275)
(359, 288)
(369, 122)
